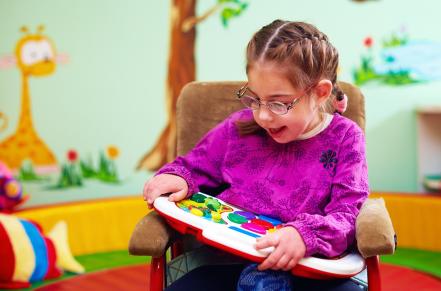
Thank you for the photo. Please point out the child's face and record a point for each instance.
(268, 83)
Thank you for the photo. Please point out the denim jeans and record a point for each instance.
(252, 279)
(230, 277)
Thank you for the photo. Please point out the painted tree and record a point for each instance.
(181, 68)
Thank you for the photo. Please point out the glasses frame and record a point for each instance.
(241, 92)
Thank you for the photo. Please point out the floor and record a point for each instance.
(134, 278)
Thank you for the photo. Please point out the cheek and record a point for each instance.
(296, 122)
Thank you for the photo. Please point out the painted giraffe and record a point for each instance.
(35, 56)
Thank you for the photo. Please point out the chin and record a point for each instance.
(283, 140)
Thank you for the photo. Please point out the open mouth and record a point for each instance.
(274, 131)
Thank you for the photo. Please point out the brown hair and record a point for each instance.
(301, 49)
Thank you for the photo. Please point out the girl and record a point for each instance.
(283, 156)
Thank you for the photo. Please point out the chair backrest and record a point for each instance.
(202, 105)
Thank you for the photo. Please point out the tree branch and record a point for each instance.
(191, 22)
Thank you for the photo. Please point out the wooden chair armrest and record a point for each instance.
(151, 236)
(374, 230)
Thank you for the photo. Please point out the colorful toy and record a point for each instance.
(11, 193)
(27, 256)
(235, 230)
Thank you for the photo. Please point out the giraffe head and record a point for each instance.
(35, 53)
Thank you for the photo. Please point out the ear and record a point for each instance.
(322, 90)
(7, 62)
(62, 58)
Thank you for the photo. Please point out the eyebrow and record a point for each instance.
(272, 96)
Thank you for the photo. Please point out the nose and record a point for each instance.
(265, 114)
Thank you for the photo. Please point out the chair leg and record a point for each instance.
(177, 249)
(157, 271)
(373, 272)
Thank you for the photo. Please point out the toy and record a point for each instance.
(235, 230)
(11, 193)
(28, 256)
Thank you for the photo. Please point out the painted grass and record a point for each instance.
(424, 261)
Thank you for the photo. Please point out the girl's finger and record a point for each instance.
(271, 260)
(268, 240)
(152, 195)
(177, 196)
(282, 263)
(291, 264)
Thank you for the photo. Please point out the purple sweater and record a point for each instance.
(316, 185)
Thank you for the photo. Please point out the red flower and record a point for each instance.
(368, 41)
(72, 155)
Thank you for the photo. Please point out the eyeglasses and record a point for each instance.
(275, 107)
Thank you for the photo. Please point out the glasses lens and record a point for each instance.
(277, 107)
(250, 102)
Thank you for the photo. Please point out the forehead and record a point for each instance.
(269, 78)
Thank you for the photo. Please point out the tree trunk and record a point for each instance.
(181, 70)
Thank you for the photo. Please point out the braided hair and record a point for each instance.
(302, 50)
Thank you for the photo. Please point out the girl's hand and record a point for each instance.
(165, 184)
(289, 248)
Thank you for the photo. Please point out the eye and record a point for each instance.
(250, 102)
(277, 107)
(29, 53)
(35, 51)
(46, 49)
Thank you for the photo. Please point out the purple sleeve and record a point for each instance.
(203, 164)
(331, 234)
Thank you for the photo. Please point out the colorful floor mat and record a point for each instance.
(134, 278)
(129, 278)
(397, 278)
(406, 270)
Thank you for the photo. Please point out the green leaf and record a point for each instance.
(234, 9)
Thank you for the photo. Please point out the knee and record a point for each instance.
(253, 279)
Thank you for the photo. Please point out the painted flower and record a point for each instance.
(328, 159)
(72, 155)
(112, 152)
(368, 42)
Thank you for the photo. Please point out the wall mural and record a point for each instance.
(24, 152)
(399, 60)
(35, 56)
(181, 68)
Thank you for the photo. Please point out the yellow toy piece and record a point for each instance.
(196, 211)
(188, 203)
(216, 216)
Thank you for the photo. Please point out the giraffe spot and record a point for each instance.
(21, 144)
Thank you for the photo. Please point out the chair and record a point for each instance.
(200, 107)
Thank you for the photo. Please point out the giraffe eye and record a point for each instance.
(46, 50)
(35, 51)
(29, 53)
